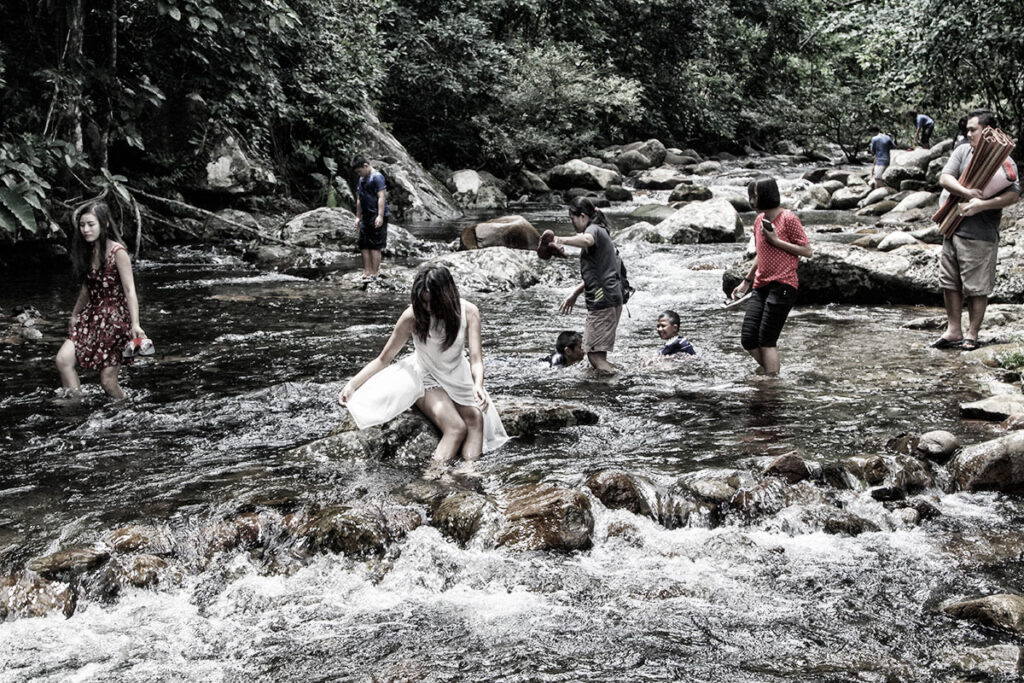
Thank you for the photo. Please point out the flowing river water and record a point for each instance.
(248, 367)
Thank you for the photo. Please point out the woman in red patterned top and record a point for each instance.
(106, 314)
(780, 241)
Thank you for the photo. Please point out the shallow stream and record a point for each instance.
(248, 367)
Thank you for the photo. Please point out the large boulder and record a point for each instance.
(661, 178)
(650, 213)
(915, 158)
(414, 194)
(231, 171)
(69, 562)
(547, 517)
(234, 224)
(577, 173)
(938, 445)
(917, 200)
(715, 220)
(685, 192)
(994, 408)
(848, 197)
(514, 232)
(335, 228)
(502, 269)
(894, 175)
(472, 191)
(996, 465)
(462, 514)
(814, 197)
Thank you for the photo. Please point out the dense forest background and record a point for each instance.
(95, 93)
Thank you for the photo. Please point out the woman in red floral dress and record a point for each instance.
(106, 315)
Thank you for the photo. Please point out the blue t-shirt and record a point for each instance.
(880, 146)
(923, 121)
(678, 345)
(367, 188)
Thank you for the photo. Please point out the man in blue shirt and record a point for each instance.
(880, 146)
(924, 126)
(371, 215)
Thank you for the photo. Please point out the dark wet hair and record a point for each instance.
(445, 306)
(582, 206)
(766, 192)
(358, 161)
(985, 117)
(567, 339)
(82, 251)
(672, 317)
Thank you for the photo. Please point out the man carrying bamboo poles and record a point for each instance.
(981, 179)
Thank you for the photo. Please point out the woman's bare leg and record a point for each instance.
(108, 380)
(66, 367)
(440, 409)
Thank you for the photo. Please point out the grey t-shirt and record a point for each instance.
(981, 226)
(599, 266)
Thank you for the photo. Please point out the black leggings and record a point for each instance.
(767, 311)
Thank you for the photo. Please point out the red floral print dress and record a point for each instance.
(104, 326)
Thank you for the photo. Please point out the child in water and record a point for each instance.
(568, 350)
(106, 315)
(668, 329)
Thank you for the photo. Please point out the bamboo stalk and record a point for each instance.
(992, 150)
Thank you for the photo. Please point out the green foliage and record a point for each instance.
(24, 167)
(555, 103)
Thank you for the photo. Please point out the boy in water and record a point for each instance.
(568, 350)
(668, 329)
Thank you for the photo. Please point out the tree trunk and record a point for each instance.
(72, 66)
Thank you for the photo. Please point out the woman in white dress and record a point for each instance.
(437, 378)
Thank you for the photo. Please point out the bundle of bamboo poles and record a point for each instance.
(992, 150)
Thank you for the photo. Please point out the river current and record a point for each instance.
(248, 367)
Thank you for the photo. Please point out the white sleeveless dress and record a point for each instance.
(397, 387)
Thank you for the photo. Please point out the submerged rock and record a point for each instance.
(502, 269)
(789, 466)
(356, 531)
(69, 562)
(547, 517)
(1003, 611)
(141, 538)
(462, 514)
(29, 595)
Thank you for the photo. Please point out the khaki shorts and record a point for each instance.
(879, 171)
(599, 332)
(968, 266)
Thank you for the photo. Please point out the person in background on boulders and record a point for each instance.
(780, 242)
(602, 285)
(568, 350)
(961, 133)
(106, 314)
(967, 268)
(924, 126)
(371, 215)
(437, 378)
(668, 330)
(880, 146)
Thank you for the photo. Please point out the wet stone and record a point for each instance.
(904, 444)
(996, 465)
(937, 445)
(345, 530)
(141, 538)
(547, 517)
(789, 466)
(619, 490)
(983, 662)
(1002, 611)
(888, 493)
(27, 595)
(70, 561)
(925, 508)
(462, 514)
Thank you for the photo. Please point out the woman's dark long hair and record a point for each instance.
(581, 206)
(82, 251)
(444, 306)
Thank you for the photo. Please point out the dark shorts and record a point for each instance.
(926, 134)
(371, 237)
(767, 311)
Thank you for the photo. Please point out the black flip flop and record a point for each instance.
(972, 344)
(943, 343)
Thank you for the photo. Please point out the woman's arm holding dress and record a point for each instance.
(400, 335)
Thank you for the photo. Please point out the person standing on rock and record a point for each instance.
(371, 215)
(924, 126)
(602, 284)
(967, 268)
(880, 146)
(780, 241)
(437, 378)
